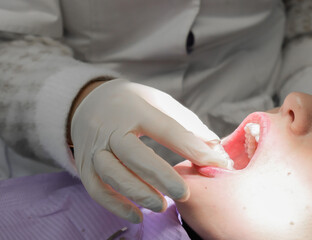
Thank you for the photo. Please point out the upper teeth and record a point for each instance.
(252, 135)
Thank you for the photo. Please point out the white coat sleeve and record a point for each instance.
(37, 17)
(39, 78)
(296, 69)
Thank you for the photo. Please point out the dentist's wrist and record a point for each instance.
(84, 91)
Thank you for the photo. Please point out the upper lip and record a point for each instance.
(234, 143)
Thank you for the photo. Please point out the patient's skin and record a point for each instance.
(269, 199)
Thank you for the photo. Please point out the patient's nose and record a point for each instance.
(297, 107)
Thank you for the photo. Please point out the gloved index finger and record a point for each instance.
(171, 134)
(172, 108)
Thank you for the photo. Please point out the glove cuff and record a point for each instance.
(54, 102)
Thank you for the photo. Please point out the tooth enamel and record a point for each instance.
(254, 130)
(230, 164)
(252, 135)
(219, 148)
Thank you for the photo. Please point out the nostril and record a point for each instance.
(292, 115)
(297, 107)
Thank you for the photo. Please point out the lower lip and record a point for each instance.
(212, 172)
(258, 117)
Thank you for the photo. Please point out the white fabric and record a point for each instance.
(299, 18)
(13, 165)
(39, 81)
(235, 57)
(297, 67)
(31, 17)
(298, 82)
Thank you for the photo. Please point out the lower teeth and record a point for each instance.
(230, 163)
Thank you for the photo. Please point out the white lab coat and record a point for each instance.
(232, 69)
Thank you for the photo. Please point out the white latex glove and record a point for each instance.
(113, 163)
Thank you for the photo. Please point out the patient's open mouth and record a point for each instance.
(243, 144)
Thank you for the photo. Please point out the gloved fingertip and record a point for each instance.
(163, 206)
(212, 158)
(135, 217)
(180, 193)
(185, 197)
(160, 207)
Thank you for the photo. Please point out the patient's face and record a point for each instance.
(270, 197)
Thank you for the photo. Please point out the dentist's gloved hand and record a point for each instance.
(113, 163)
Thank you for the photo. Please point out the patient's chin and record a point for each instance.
(241, 227)
(253, 205)
(263, 208)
